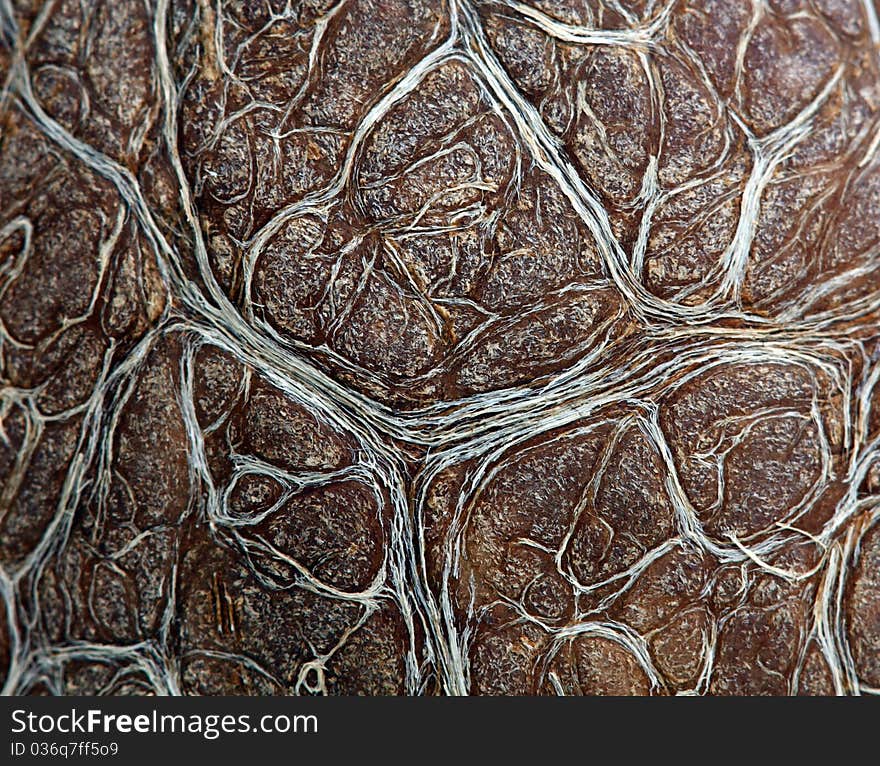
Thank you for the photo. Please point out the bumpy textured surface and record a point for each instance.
(440, 346)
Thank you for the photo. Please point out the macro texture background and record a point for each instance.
(439, 347)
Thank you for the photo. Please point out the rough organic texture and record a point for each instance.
(440, 347)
